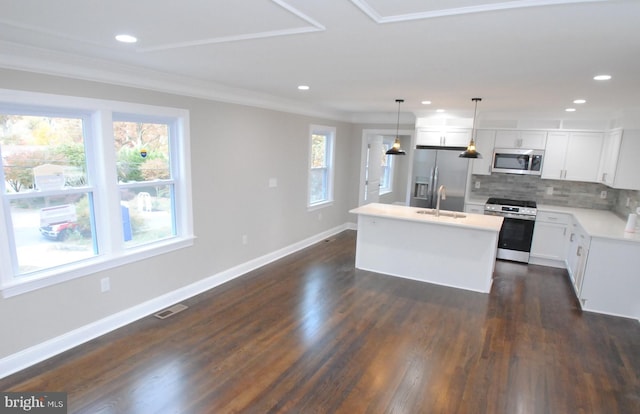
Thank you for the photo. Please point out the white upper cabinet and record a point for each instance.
(438, 138)
(521, 139)
(627, 175)
(484, 145)
(573, 156)
(609, 160)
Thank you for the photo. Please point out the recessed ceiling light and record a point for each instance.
(602, 77)
(303, 87)
(570, 109)
(439, 110)
(125, 38)
(579, 101)
(426, 102)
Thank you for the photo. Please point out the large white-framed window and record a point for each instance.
(386, 165)
(87, 185)
(321, 155)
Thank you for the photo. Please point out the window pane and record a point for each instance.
(142, 151)
(52, 231)
(318, 185)
(147, 214)
(40, 152)
(318, 151)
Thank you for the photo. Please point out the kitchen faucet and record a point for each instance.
(442, 194)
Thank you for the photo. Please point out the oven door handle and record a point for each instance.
(509, 216)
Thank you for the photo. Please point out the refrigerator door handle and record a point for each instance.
(434, 187)
(430, 189)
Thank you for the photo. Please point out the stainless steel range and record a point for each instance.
(514, 242)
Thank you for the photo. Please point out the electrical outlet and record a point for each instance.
(319, 216)
(549, 190)
(245, 239)
(603, 194)
(628, 201)
(477, 184)
(105, 284)
(273, 182)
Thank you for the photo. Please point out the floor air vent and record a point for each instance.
(164, 314)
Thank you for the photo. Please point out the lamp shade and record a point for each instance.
(395, 149)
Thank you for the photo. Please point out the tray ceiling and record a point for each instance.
(357, 56)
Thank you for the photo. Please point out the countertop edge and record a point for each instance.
(386, 211)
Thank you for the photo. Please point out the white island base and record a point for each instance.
(458, 252)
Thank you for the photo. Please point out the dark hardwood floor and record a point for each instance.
(310, 334)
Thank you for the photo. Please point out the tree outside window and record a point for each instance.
(321, 165)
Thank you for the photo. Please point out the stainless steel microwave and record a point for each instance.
(517, 161)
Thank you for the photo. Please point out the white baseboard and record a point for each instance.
(45, 350)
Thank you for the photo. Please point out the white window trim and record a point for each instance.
(329, 131)
(112, 252)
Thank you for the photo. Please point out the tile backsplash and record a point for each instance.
(563, 193)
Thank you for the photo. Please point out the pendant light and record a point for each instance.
(395, 149)
(471, 152)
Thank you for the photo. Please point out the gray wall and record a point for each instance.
(235, 150)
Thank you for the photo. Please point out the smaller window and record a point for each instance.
(321, 146)
(386, 174)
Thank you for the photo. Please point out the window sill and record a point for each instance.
(25, 284)
(318, 206)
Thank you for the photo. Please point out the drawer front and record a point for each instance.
(549, 217)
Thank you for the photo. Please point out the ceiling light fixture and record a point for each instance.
(125, 38)
(395, 149)
(439, 111)
(602, 77)
(570, 109)
(426, 102)
(303, 87)
(579, 101)
(471, 152)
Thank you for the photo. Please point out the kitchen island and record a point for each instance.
(453, 249)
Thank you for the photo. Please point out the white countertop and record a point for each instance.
(597, 223)
(469, 220)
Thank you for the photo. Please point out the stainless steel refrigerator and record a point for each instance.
(433, 167)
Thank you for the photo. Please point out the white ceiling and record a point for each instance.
(358, 56)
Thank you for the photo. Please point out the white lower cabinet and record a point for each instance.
(579, 244)
(550, 239)
(610, 283)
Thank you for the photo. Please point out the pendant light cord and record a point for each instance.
(398, 121)
(475, 111)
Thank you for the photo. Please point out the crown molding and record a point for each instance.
(47, 62)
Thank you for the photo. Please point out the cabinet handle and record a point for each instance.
(604, 177)
(579, 251)
(572, 237)
(564, 233)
